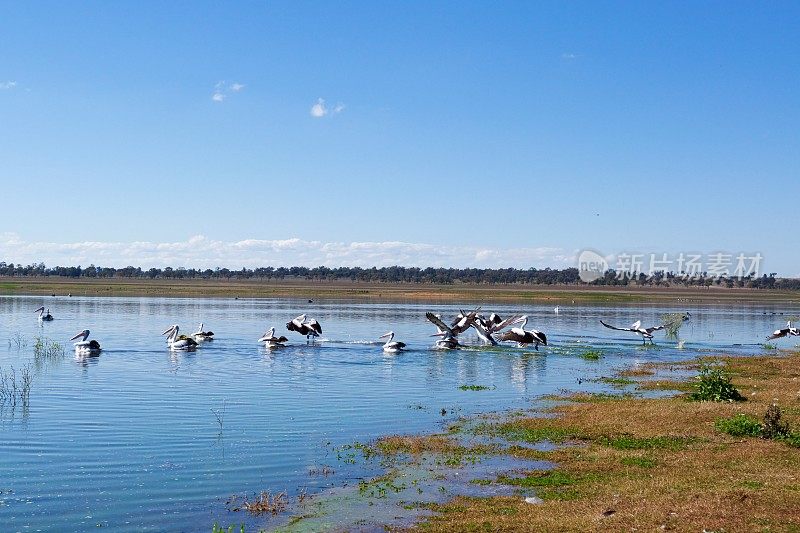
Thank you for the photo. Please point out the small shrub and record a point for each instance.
(774, 427)
(740, 425)
(714, 385)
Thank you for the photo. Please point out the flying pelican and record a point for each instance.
(309, 328)
(202, 336)
(392, 346)
(449, 339)
(787, 331)
(524, 337)
(270, 340)
(636, 327)
(486, 327)
(84, 347)
(176, 342)
(44, 314)
(463, 321)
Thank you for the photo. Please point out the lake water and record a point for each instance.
(130, 440)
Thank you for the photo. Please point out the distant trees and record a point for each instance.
(399, 274)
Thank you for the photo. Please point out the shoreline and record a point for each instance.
(354, 290)
(641, 458)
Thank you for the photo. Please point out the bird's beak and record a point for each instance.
(169, 329)
(384, 335)
(80, 334)
(438, 335)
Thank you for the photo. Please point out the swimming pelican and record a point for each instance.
(270, 340)
(556, 309)
(787, 331)
(202, 336)
(449, 339)
(309, 328)
(524, 337)
(392, 346)
(84, 347)
(181, 342)
(636, 327)
(486, 327)
(44, 315)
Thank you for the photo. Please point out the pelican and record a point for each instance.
(84, 347)
(392, 346)
(270, 340)
(463, 321)
(556, 310)
(309, 328)
(636, 327)
(44, 314)
(176, 342)
(785, 332)
(486, 327)
(524, 337)
(202, 336)
(449, 339)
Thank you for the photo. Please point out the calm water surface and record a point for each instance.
(128, 440)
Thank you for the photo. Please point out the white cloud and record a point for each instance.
(202, 252)
(7, 84)
(223, 89)
(320, 110)
(568, 56)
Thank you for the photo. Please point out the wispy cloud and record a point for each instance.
(7, 85)
(223, 89)
(569, 56)
(202, 252)
(320, 109)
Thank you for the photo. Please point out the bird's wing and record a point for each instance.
(438, 322)
(509, 336)
(778, 333)
(298, 320)
(315, 325)
(609, 326)
(495, 327)
(636, 325)
(539, 336)
(654, 328)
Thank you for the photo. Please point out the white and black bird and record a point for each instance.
(392, 346)
(270, 340)
(463, 321)
(636, 327)
(303, 326)
(788, 331)
(179, 342)
(84, 347)
(203, 336)
(449, 339)
(524, 337)
(486, 327)
(44, 314)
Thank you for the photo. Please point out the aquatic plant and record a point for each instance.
(712, 384)
(15, 388)
(44, 348)
(474, 387)
(230, 529)
(266, 502)
(219, 414)
(592, 355)
(17, 341)
(768, 346)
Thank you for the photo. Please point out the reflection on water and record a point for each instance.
(132, 439)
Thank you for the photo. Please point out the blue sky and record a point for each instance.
(519, 132)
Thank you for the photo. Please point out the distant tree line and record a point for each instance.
(398, 274)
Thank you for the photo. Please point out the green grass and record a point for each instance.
(641, 462)
(617, 382)
(740, 425)
(512, 431)
(216, 528)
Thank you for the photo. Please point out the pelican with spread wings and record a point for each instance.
(636, 327)
(449, 337)
(305, 326)
(785, 332)
(485, 327)
(524, 337)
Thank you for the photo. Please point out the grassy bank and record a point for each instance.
(629, 463)
(380, 291)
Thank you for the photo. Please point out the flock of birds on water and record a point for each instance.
(490, 329)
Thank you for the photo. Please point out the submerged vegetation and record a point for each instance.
(474, 387)
(44, 348)
(15, 386)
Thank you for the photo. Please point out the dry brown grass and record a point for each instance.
(654, 464)
(267, 503)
